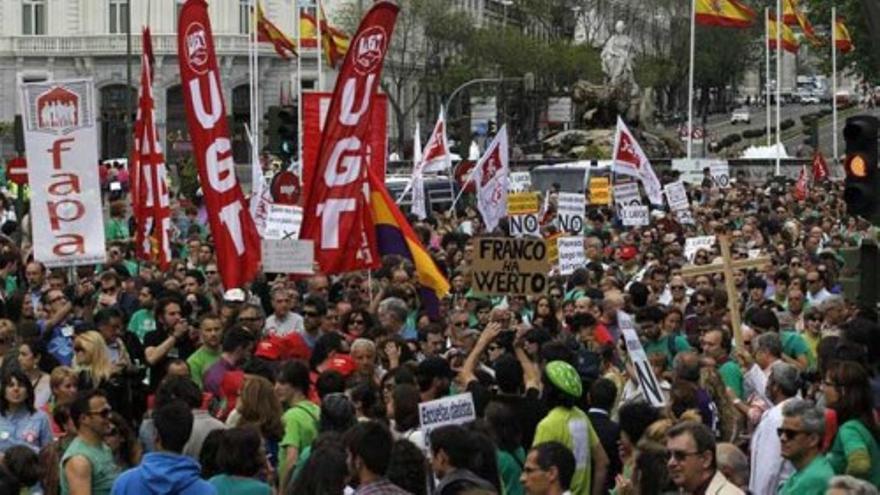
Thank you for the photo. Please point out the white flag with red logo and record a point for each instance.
(820, 167)
(490, 177)
(800, 188)
(418, 181)
(629, 159)
(149, 192)
(436, 156)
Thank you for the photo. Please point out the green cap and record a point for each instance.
(564, 377)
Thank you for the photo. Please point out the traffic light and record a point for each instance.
(281, 131)
(862, 178)
(859, 276)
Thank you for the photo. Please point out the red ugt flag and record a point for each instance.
(337, 213)
(236, 239)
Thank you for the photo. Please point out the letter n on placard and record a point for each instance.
(650, 385)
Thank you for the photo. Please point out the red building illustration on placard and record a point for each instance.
(57, 108)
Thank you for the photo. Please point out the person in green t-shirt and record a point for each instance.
(800, 437)
(116, 228)
(143, 321)
(653, 340)
(211, 332)
(570, 426)
(855, 450)
(301, 418)
(87, 465)
(716, 346)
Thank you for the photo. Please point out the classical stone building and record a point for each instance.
(61, 39)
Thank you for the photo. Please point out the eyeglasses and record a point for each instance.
(700, 302)
(108, 290)
(104, 413)
(495, 347)
(676, 287)
(357, 322)
(788, 433)
(311, 314)
(249, 318)
(6, 340)
(680, 455)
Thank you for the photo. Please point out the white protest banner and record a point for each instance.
(626, 194)
(634, 216)
(283, 222)
(289, 256)
(61, 140)
(720, 174)
(570, 212)
(522, 225)
(676, 196)
(692, 245)
(684, 216)
(571, 254)
(454, 410)
(754, 253)
(648, 382)
(519, 182)
(691, 171)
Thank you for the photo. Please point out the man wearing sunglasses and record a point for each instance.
(768, 468)
(88, 465)
(692, 464)
(803, 426)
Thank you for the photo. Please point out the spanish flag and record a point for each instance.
(792, 15)
(724, 13)
(842, 37)
(267, 32)
(789, 42)
(334, 42)
(395, 236)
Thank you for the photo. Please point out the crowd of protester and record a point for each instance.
(126, 378)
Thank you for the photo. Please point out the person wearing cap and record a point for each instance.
(233, 300)
(569, 425)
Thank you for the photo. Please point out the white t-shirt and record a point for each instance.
(281, 327)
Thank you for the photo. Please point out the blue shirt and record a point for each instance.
(60, 341)
(24, 428)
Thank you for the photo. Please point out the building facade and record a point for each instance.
(63, 39)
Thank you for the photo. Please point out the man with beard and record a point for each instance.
(142, 321)
(369, 446)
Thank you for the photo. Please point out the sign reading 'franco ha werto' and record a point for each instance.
(504, 266)
(62, 154)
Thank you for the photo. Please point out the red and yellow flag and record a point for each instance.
(789, 42)
(267, 32)
(842, 37)
(724, 13)
(334, 42)
(792, 15)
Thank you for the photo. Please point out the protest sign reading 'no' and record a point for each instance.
(570, 211)
(504, 266)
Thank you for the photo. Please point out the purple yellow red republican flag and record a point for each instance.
(724, 13)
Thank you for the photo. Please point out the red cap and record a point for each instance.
(290, 346)
(343, 363)
(627, 253)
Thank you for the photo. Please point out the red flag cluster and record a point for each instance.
(149, 191)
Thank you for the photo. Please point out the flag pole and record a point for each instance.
(690, 137)
(299, 100)
(319, 15)
(779, 52)
(834, 83)
(256, 170)
(767, 75)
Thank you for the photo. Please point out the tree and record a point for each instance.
(863, 21)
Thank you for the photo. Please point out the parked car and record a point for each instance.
(809, 99)
(740, 115)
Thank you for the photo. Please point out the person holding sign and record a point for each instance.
(569, 425)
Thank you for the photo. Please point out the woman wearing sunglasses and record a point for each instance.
(20, 422)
